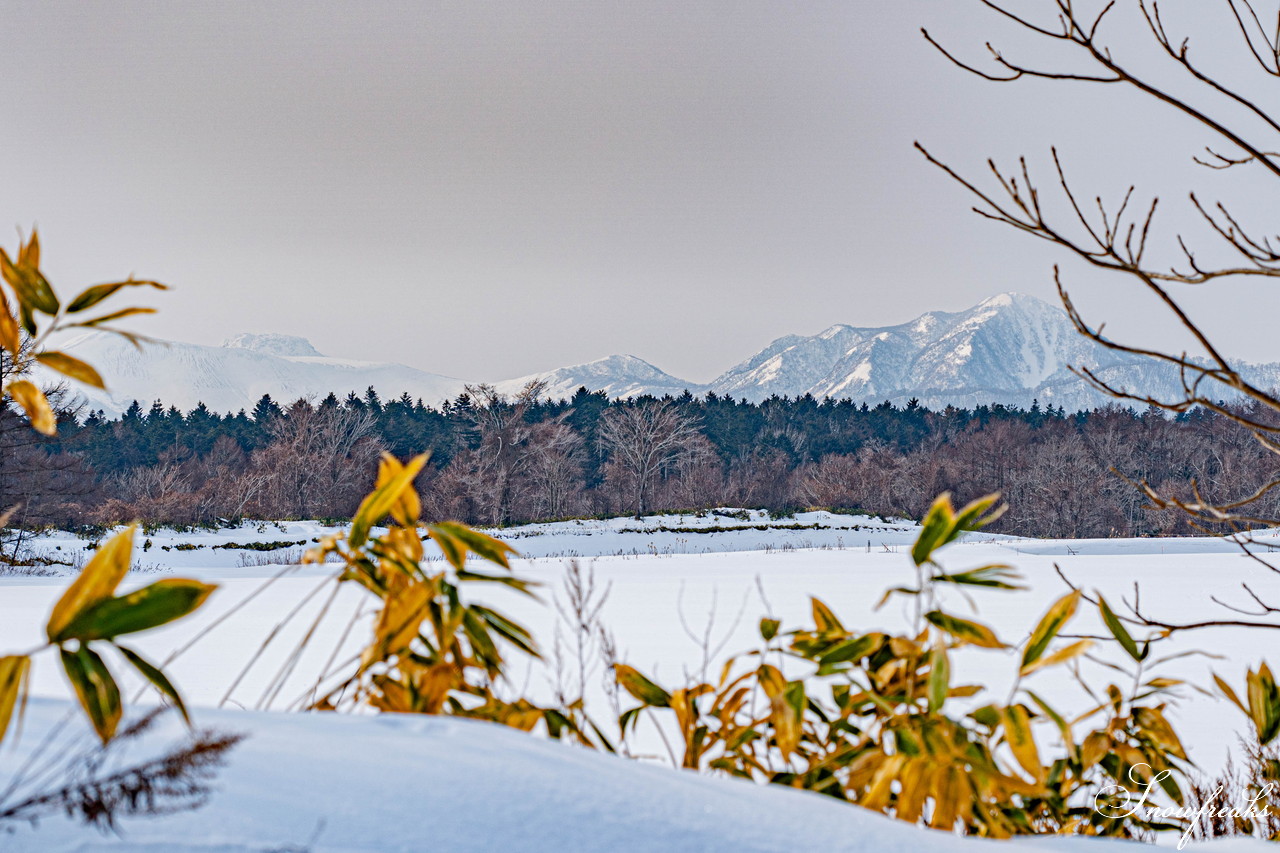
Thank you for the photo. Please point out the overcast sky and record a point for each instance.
(489, 189)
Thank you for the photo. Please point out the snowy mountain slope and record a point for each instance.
(1007, 345)
(235, 375)
(1009, 349)
(617, 376)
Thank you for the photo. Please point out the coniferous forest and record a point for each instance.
(498, 460)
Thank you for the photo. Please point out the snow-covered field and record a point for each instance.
(394, 784)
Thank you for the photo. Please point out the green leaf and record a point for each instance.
(962, 629)
(769, 628)
(140, 610)
(975, 516)
(95, 688)
(97, 581)
(934, 529)
(823, 618)
(987, 715)
(851, 649)
(1064, 728)
(512, 632)
(1058, 614)
(481, 643)
(483, 546)
(995, 576)
(29, 285)
(939, 678)
(454, 550)
(1264, 702)
(519, 584)
(28, 318)
(158, 679)
(640, 687)
(13, 688)
(628, 718)
(1118, 630)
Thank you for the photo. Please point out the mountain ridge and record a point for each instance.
(1009, 348)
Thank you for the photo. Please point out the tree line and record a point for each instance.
(498, 459)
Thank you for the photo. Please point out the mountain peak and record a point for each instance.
(1011, 299)
(286, 346)
(627, 362)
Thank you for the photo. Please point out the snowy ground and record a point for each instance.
(669, 586)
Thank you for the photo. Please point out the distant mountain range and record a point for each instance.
(1010, 349)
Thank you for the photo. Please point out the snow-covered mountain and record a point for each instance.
(235, 375)
(617, 376)
(1010, 349)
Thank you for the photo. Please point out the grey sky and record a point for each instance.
(491, 189)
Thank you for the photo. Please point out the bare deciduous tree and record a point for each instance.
(319, 460)
(554, 465)
(493, 469)
(644, 440)
(1121, 237)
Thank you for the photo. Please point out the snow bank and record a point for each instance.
(340, 784)
(394, 783)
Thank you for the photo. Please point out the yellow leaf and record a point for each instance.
(1062, 655)
(1229, 693)
(912, 793)
(1095, 746)
(965, 630)
(1017, 733)
(400, 619)
(641, 687)
(29, 255)
(787, 708)
(1153, 722)
(877, 795)
(93, 295)
(97, 322)
(823, 618)
(9, 338)
(31, 288)
(13, 683)
(73, 367)
(947, 783)
(33, 402)
(381, 500)
(407, 507)
(97, 581)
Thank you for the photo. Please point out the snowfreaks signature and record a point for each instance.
(1256, 808)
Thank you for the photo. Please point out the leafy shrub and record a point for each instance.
(432, 652)
(877, 720)
(89, 615)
